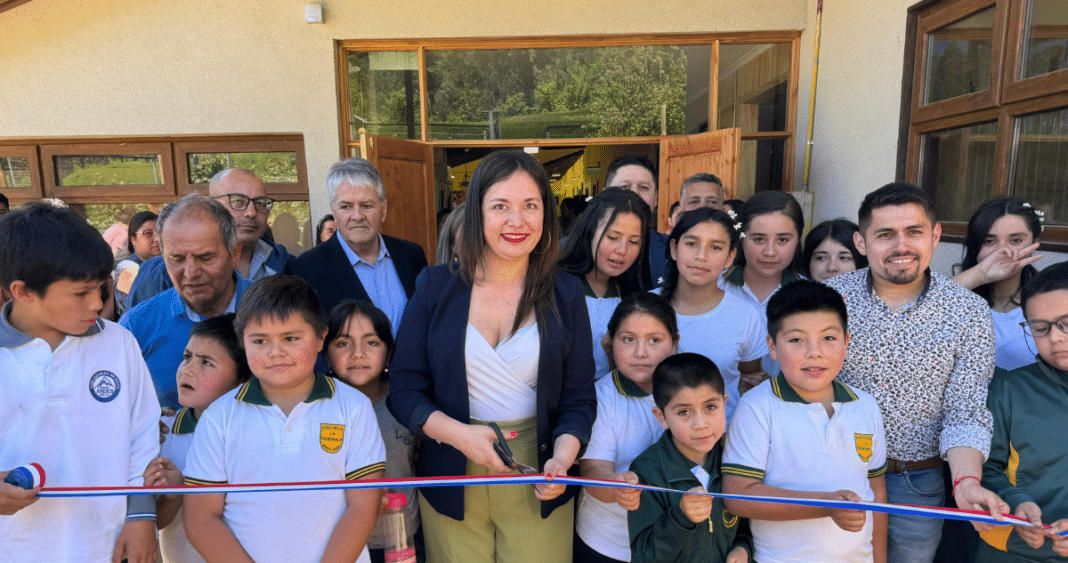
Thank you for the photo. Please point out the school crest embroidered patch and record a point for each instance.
(729, 520)
(331, 436)
(864, 443)
(104, 386)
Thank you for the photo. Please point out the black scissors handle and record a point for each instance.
(502, 449)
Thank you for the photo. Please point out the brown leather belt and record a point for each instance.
(895, 466)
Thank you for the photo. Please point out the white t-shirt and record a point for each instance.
(502, 382)
(87, 413)
(1014, 348)
(745, 294)
(173, 544)
(600, 310)
(242, 438)
(624, 428)
(784, 442)
(733, 332)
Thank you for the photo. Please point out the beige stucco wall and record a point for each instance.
(207, 66)
(127, 67)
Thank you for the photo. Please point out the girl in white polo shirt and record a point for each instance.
(640, 334)
(715, 323)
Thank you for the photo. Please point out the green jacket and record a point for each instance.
(659, 531)
(1029, 451)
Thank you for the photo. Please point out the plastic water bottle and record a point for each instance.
(399, 545)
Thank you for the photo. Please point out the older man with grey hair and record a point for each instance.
(359, 262)
(200, 248)
(243, 194)
(701, 190)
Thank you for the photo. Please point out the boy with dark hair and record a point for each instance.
(77, 397)
(690, 405)
(1028, 459)
(803, 434)
(287, 423)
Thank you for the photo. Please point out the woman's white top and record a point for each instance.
(733, 283)
(1014, 348)
(502, 382)
(600, 310)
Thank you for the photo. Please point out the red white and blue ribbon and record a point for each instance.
(460, 481)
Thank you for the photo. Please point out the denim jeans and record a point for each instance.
(914, 539)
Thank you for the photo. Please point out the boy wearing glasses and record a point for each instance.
(242, 193)
(1029, 455)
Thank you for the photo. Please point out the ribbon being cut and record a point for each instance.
(459, 481)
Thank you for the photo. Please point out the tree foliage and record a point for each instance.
(620, 89)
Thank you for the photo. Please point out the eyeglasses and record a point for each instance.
(1038, 329)
(150, 233)
(239, 202)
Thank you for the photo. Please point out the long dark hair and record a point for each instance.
(339, 318)
(765, 203)
(471, 244)
(979, 227)
(838, 230)
(578, 255)
(687, 221)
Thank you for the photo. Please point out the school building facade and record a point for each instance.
(115, 103)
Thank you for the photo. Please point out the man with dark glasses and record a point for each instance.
(243, 194)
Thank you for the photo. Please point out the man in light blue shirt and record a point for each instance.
(359, 262)
(198, 240)
(381, 282)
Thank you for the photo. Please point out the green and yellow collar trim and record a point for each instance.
(252, 393)
(612, 291)
(783, 390)
(626, 387)
(184, 422)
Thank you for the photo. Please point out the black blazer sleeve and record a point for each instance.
(576, 408)
(411, 384)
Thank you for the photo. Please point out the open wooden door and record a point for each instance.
(407, 169)
(682, 156)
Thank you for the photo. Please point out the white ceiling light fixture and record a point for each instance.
(530, 150)
(313, 13)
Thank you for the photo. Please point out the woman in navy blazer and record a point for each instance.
(505, 281)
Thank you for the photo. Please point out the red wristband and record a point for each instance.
(962, 479)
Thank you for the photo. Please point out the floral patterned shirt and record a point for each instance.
(928, 364)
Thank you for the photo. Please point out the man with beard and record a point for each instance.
(923, 346)
(242, 193)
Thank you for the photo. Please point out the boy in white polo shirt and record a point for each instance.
(76, 397)
(803, 434)
(287, 423)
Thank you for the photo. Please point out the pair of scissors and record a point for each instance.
(502, 449)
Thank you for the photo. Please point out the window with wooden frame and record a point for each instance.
(576, 90)
(107, 179)
(87, 170)
(985, 108)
